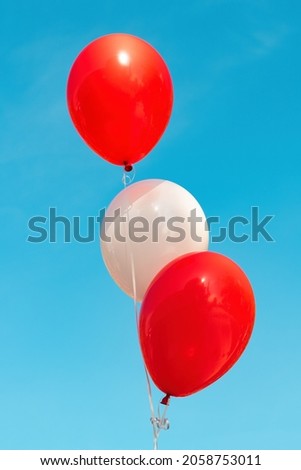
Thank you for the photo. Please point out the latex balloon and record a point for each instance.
(120, 97)
(196, 320)
(146, 226)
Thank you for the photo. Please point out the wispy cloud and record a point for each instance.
(251, 46)
(244, 48)
(267, 41)
(38, 112)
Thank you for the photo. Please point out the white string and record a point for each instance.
(128, 178)
(149, 389)
(158, 423)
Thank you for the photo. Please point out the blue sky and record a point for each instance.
(71, 376)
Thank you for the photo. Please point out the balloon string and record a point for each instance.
(128, 178)
(149, 389)
(158, 423)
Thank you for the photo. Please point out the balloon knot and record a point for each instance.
(160, 423)
(165, 400)
(128, 167)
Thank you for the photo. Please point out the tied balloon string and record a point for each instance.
(128, 176)
(162, 422)
(158, 422)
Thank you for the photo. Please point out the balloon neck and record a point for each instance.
(165, 401)
(128, 167)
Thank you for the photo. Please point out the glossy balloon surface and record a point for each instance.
(196, 320)
(153, 228)
(120, 97)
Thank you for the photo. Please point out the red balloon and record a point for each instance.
(196, 320)
(120, 97)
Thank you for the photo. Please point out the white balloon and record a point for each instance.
(152, 223)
